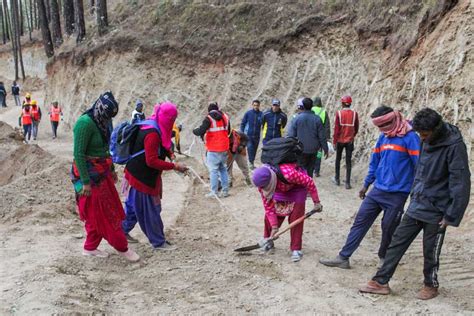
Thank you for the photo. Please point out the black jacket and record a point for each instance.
(442, 183)
(309, 130)
(206, 123)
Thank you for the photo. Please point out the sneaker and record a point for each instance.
(374, 287)
(296, 255)
(348, 186)
(95, 253)
(131, 240)
(336, 181)
(224, 194)
(167, 246)
(211, 195)
(130, 255)
(427, 293)
(337, 262)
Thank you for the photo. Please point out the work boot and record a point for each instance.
(336, 181)
(296, 255)
(167, 246)
(374, 287)
(348, 186)
(427, 293)
(130, 255)
(338, 262)
(95, 253)
(130, 239)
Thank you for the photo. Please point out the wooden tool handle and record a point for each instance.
(293, 224)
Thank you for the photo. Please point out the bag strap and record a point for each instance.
(141, 123)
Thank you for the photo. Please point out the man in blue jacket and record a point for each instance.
(439, 198)
(391, 171)
(251, 125)
(274, 122)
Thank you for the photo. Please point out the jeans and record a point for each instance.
(34, 128)
(307, 161)
(252, 147)
(217, 165)
(3, 100)
(391, 203)
(27, 131)
(17, 99)
(349, 149)
(433, 237)
(54, 126)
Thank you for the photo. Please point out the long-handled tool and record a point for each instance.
(267, 244)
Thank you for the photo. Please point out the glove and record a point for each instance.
(318, 207)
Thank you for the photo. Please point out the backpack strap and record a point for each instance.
(142, 123)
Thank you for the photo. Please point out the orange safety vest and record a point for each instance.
(54, 113)
(35, 113)
(347, 120)
(217, 137)
(26, 117)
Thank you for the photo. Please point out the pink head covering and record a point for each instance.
(164, 114)
(392, 124)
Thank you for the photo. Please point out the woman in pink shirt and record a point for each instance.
(285, 196)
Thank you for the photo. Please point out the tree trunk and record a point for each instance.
(102, 20)
(46, 34)
(56, 24)
(5, 14)
(29, 18)
(22, 16)
(48, 10)
(68, 13)
(16, 14)
(92, 6)
(14, 34)
(4, 37)
(35, 15)
(79, 20)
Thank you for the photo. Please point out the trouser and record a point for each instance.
(34, 128)
(392, 204)
(217, 165)
(433, 237)
(54, 126)
(349, 149)
(3, 100)
(141, 207)
(241, 161)
(296, 233)
(307, 161)
(114, 237)
(17, 100)
(252, 146)
(27, 131)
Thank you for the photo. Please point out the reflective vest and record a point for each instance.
(217, 137)
(35, 113)
(26, 117)
(320, 112)
(347, 120)
(54, 113)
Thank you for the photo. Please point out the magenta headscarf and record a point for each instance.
(164, 114)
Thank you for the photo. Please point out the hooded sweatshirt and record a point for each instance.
(442, 183)
(206, 123)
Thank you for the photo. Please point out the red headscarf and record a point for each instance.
(164, 114)
(392, 124)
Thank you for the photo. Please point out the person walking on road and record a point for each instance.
(238, 153)
(346, 127)
(3, 95)
(252, 125)
(26, 120)
(36, 116)
(273, 122)
(439, 198)
(216, 130)
(143, 176)
(391, 171)
(55, 112)
(94, 177)
(323, 115)
(16, 93)
(309, 130)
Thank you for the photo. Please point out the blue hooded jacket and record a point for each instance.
(252, 123)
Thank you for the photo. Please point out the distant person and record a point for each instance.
(439, 198)
(94, 177)
(36, 116)
(137, 114)
(252, 125)
(16, 93)
(3, 95)
(346, 127)
(143, 176)
(216, 129)
(299, 109)
(27, 99)
(324, 116)
(26, 121)
(309, 130)
(274, 122)
(55, 113)
(395, 153)
(238, 153)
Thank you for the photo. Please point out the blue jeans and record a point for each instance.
(217, 165)
(252, 147)
(391, 203)
(27, 131)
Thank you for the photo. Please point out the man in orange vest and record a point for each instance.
(346, 126)
(216, 130)
(54, 113)
(36, 117)
(26, 120)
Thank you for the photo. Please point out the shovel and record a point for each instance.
(267, 244)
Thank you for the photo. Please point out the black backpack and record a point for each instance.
(281, 150)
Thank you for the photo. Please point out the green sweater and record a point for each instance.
(88, 142)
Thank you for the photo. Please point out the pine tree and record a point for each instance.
(68, 14)
(102, 19)
(79, 20)
(46, 34)
(56, 23)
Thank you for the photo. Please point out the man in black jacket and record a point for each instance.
(439, 198)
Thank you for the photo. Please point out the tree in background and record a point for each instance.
(68, 13)
(17, 39)
(46, 34)
(22, 25)
(80, 25)
(4, 37)
(92, 6)
(5, 19)
(102, 19)
(56, 23)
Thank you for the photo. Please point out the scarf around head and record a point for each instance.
(266, 179)
(102, 112)
(392, 124)
(164, 114)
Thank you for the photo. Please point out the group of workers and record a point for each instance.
(434, 169)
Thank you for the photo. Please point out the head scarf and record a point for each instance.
(164, 114)
(102, 112)
(392, 124)
(266, 179)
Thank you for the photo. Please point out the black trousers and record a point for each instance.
(54, 126)
(349, 147)
(406, 232)
(307, 161)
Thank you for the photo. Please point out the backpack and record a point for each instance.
(123, 139)
(281, 150)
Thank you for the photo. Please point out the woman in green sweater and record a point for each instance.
(94, 176)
